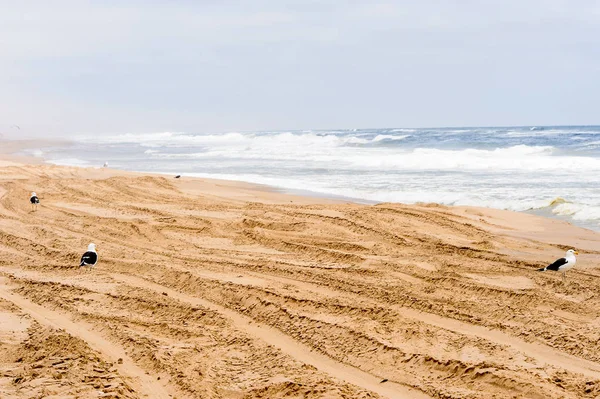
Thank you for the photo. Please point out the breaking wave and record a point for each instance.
(509, 168)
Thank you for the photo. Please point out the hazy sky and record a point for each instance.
(207, 66)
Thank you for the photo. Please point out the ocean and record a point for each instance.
(552, 170)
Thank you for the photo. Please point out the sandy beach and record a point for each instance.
(219, 289)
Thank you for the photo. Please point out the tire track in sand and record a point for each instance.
(544, 354)
(143, 383)
(286, 344)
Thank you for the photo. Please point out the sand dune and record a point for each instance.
(214, 289)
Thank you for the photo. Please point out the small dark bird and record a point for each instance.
(562, 264)
(90, 258)
(178, 176)
(34, 201)
(384, 380)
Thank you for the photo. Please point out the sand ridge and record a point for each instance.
(225, 290)
(145, 385)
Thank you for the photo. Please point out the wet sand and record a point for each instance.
(217, 289)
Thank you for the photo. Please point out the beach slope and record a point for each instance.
(215, 289)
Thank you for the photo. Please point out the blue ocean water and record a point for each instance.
(517, 168)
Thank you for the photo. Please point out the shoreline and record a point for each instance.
(282, 190)
(315, 196)
(11, 150)
(550, 228)
(544, 212)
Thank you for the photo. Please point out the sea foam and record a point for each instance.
(509, 168)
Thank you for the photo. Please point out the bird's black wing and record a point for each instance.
(34, 200)
(557, 263)
(89, 258)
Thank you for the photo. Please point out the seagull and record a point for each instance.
(105, 164)
(34, 201)
(90, 258)
(562, 264)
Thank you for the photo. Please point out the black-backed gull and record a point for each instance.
(562, 264)
(34, 201)
(90, 258)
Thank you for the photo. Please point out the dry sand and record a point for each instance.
(212, 289)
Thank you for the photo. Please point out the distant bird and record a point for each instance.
(105, 164)
(562, 264)
(90, 258)
(34, 201)
(178, 176)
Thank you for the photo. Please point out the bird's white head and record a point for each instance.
(92, 247)
(572, 252)
(33, 194)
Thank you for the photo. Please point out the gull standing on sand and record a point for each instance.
(34, 201)
(105, 164)
(562, 264)
(90, 258)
